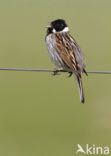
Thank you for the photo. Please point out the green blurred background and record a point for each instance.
(41, 115)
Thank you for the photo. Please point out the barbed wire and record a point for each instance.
(51, 70)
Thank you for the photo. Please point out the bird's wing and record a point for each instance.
(69, 51)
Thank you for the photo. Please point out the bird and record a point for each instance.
(65, 53)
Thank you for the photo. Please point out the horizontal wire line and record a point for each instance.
(51, 70)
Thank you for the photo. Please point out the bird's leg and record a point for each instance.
(85, 72)
(57, 71)
(70, 74)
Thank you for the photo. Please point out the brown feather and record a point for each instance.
(65, 48)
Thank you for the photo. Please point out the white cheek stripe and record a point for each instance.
(66, 29)
(54, 31)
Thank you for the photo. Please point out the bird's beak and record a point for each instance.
(49, 25)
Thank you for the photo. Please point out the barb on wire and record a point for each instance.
(51, 70)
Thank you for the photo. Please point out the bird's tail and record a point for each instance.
(79, 81)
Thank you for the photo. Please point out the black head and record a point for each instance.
(58, 25)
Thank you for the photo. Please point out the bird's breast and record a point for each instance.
(51, 47)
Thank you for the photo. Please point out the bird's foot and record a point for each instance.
(85, 72)
(70, 74)
(56, 72)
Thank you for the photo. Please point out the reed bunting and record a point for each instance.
(64, 52)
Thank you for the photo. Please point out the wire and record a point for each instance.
(25, 69)
(98, 72)
(51, 70)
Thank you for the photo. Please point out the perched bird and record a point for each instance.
(64, 52)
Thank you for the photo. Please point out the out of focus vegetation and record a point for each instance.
(41, 115)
